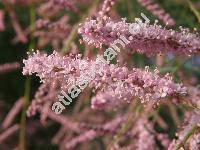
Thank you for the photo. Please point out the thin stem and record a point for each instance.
(22, 142)
(15, 23)
(187, 136)
(194, 10)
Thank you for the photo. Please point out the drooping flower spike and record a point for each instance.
(107, 4)
(156, 10)
(9, 67)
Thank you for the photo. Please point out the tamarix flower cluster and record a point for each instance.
(145, 39)
(118, 83)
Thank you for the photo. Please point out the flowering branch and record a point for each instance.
(118, 82)
(139, 37)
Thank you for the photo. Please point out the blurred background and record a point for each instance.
(22, 28)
